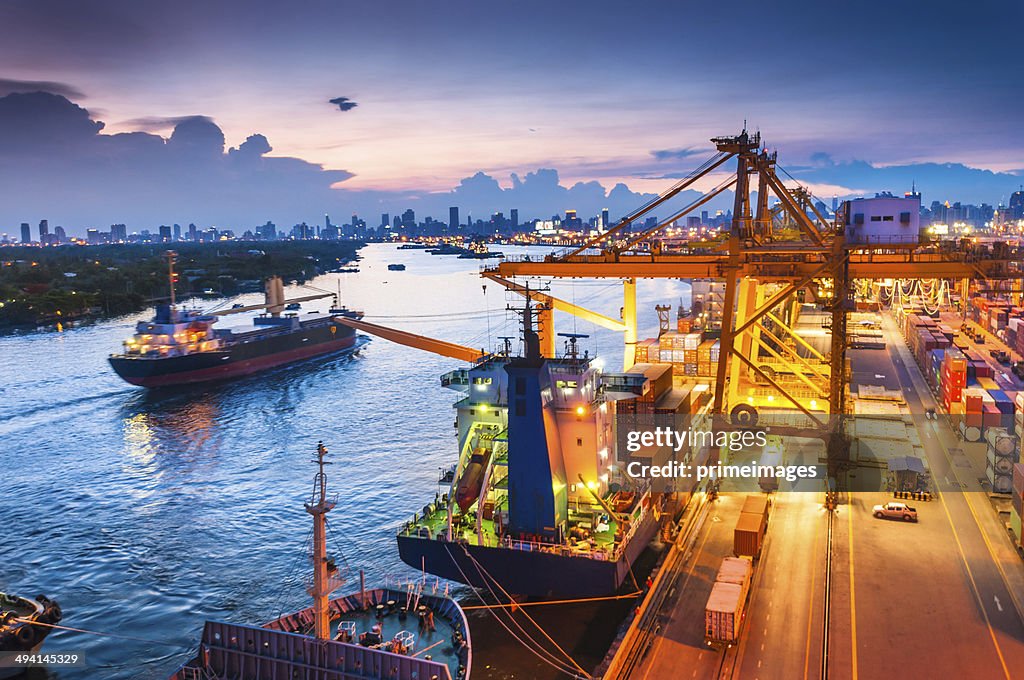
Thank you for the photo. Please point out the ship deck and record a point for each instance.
(436, 522)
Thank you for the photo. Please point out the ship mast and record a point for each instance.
(171, 256)
(323, 569)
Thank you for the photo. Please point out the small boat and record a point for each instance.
(292, 306)
(396, 267)
(366, 634)
(24, 624)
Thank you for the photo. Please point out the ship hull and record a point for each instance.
(247, 356)
(523, 572)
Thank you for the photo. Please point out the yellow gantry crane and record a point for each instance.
(753, 260)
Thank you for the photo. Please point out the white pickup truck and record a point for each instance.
(895, 510)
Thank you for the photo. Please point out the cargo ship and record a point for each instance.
(538, 503)
(366, 634)
(181, 346)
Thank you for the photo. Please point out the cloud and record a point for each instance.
(935, 181)
(344, 103)
(56, 163)
(159, 123)
(678, 154)
(9, 86)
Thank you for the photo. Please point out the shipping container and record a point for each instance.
(748, 535)
(757, 504)
(723, 614)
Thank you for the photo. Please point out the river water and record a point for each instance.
(144, 514)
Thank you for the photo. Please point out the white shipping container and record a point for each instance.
(736, 570)
(1015, 324)
(723, 613)
(692, 340)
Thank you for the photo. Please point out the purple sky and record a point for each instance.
(598, 91)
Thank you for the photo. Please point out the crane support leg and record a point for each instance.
(629, 320)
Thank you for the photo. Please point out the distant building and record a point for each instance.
(385, 220)
(165, 233)
(883, 219)
(177, 232)
(692, 221)
(59, 235)
(453, 218)
(44, 231)
(1017, 204)
(409, 219)
(118, 233)
(704, 217)
(26, 233)
(514, 218)
(92, 236)
(606, 222)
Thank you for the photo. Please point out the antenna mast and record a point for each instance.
(324, 571)
(171, 256)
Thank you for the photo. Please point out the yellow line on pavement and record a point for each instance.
(853, 602)
(981, 529)
(974, 587)
(810, 605)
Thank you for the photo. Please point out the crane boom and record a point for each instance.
(441, 347)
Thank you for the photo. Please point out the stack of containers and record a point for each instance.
(684, 324)
(705, 365)
(646, 351)
(972, 422)
(953, 378)
(1017, 496)
(1002, 453)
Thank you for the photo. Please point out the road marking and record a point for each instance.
(974, 586)
(998, 605)
(810, 605)
(853, 600)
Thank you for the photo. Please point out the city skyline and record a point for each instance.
(578, 102)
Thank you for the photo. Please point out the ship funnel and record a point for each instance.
(275, 295)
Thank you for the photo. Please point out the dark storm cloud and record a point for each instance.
(344, 103)
(9, 86)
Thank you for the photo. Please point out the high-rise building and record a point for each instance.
(514, 219)
(606, 222)
(193, 233)
(409, 219)
(118, 233)
(177, 232)
(165, 233)
(704, 217)
(59, 235)
(92, 236)
(385, 220)
(453, 218)
(1017, 204)
(26, 233)
(44, 231)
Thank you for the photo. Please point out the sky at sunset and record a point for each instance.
(856, 97)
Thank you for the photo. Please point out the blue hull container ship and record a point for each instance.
(536, 505)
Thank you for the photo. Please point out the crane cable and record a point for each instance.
(486, 575)
(560, 667)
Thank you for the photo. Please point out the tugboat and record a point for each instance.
(181, 346)
(24, 624)
(367, 634)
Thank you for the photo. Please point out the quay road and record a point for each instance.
(782, 631)
(940, 596)
(937, 599)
